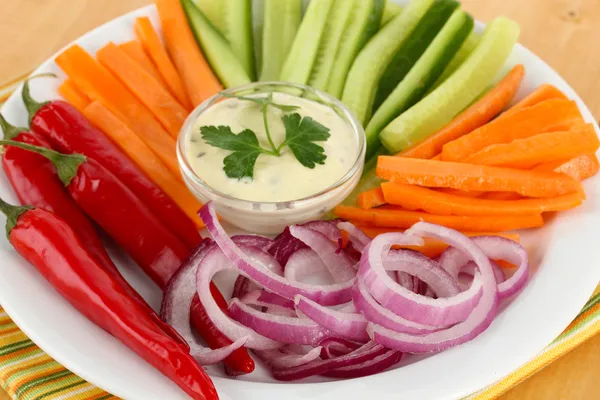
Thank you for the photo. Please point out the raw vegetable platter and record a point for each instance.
(563, 267)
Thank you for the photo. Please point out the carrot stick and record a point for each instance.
(148, 162)
(542, 93)
(579, 168)
(412, 197)
(546, 147)
(501, 195)
(99, 84)
(135, 50)
(157, 52)
(73, 95)
(470, 177)
(472, 118)
(457, 192)
(199, 80)
(165, 107)
(393, 217)
(370, 199)
(432, 247)
(548, 116)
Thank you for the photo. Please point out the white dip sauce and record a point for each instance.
(275, 178)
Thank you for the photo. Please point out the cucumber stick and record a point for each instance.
(425, 72)
(300, 60)
(427, 29)
(461, 55)
(215, 47)
(439, 107)
(330, 42)
(281, 20)
(363, 79)
(214, 12)
(364, 22)
(390, 11)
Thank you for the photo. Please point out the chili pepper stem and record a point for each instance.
(31, 105)
(10, 131)
(66, 164)
(12, 214)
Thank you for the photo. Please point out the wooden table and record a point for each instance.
(562, 32)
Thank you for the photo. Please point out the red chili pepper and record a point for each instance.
(70, 132)
(49, 243)
(129, 222)
(35, 182)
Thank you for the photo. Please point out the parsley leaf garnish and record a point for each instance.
(300, 135)
(245, 148)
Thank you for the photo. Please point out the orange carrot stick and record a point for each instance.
(432, 247)
(393, 217)
(165, 107)
(412, 197)
(462, 193)
(501, 195)
(199, 80)
(578, 168)
(548, 116)
(545, 147)
(470, 177)
(73, 95)
(370, 199)
(153, 45)
(148, 162)
(542, 93)
(135, 50)
(99, 84)
(472, 118)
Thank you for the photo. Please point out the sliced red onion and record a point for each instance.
(280, 359)
(470, 269)
(379, 315)
(357, 237)
(365, 353)
(402, 302)
(326, 228)
(339, 264)
(176, 304)
(336, 347)
(405, 280)
(496, 248)
(263, 243)
(430, 293)
(215, 261)
(374, 366)
(276, 304)
(305, 263)
(242, 287)
(277, 327)
(256, 271)
(423, 268)
(477, 322)
(284, 246)
(275, 300)
(346, 325)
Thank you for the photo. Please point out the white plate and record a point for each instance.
(565, 273)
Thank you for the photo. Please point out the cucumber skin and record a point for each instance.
(238, 18)
(461, 56)
(359, 93)
(278, 35)
(390, 11)
(330, 42)
(354, 41)
(427, 29)
(439, 108)
(215, 47)
(424, 73)
(300, 60)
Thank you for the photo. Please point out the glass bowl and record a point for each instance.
(264, 217)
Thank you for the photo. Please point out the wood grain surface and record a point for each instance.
(565, 33)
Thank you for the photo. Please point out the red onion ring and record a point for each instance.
(176, 305)
(324, 295)
(305, 263)
(477, 322)
(279, 359)
(342, 324)
(336, 347)
(278, 327)
(357, 237)
(374, 366)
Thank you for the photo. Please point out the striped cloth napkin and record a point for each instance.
(27, 373)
